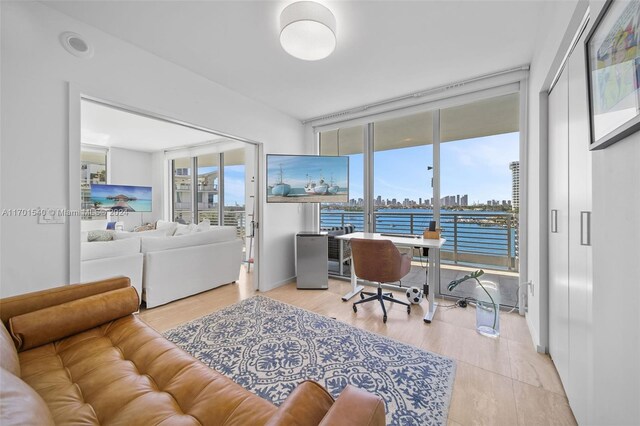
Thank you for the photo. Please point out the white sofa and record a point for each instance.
(180, 266)
(107, 259)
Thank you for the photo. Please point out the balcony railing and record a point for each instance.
(231, 218)
(487, 239)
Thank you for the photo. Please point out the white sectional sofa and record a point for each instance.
(162, 267)
(180, 266)
(106, 259)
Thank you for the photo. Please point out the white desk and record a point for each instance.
(433, 275)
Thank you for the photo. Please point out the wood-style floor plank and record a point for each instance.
(500, 381)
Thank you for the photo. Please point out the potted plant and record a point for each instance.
(492, 327)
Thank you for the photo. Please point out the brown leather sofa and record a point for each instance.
(79, 355)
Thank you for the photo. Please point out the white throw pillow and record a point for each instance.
(168, 227)
(203, 226)
(183, 229)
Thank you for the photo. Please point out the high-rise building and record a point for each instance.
(464, 200)
(514, 166)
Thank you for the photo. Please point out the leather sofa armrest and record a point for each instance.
(66, 319)
(30, 302)
(356, 407)
(305, 406)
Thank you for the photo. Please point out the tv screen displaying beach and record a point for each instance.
(307, 179)
(122, 198)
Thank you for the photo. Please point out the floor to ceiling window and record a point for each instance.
(350, 142)
(475, 160)
(403, 164)
(214, 193)
(234, 174)
(479, 192)
(208, 194)
(182, 197)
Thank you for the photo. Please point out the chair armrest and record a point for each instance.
(306, 405)
(30, 302)
(355, 407)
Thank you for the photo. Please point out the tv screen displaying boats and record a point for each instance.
(121, 198)
(307, 179)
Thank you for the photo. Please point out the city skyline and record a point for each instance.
(478, 167)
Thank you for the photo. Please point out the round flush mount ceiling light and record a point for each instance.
(75, 44)
(307, 30)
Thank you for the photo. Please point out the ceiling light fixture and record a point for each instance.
(307, 30)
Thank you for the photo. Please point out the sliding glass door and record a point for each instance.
(479, 186)
(402, 174)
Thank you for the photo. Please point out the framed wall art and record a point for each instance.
(613, 70)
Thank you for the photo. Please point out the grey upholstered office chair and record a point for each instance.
(379, 261)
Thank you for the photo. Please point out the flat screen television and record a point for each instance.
(123, 198)
(307, 179)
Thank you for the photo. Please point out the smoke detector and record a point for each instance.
(77, 45)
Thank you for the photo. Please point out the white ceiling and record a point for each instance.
(385, 48)
(110, 127)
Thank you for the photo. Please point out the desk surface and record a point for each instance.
(399, 241)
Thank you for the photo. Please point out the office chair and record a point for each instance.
(379, 261)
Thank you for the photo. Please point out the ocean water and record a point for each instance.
(479, 238)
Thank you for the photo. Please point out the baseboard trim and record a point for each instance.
(279, 284)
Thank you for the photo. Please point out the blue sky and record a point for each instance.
(233, 183)
(478, 167)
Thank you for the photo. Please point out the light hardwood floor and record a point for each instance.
(500, 381)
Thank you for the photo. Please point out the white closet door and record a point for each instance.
(559, 226)
(578, 387)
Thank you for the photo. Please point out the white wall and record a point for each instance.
(35, 72)
(616, 283)
(159, 185)
(128, 167)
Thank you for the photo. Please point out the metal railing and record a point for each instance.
(487, 239)
(231, 218)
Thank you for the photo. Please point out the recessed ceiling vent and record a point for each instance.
(75, 44)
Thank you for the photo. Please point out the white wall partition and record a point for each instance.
(127, 167)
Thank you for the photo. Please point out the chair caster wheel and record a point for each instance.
(355, 309)
(361, 296)
(391, 295)
(408, 309)
(384, 319)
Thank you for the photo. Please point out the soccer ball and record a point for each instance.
(414, 294)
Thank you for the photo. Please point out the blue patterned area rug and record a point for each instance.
(269, 347)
